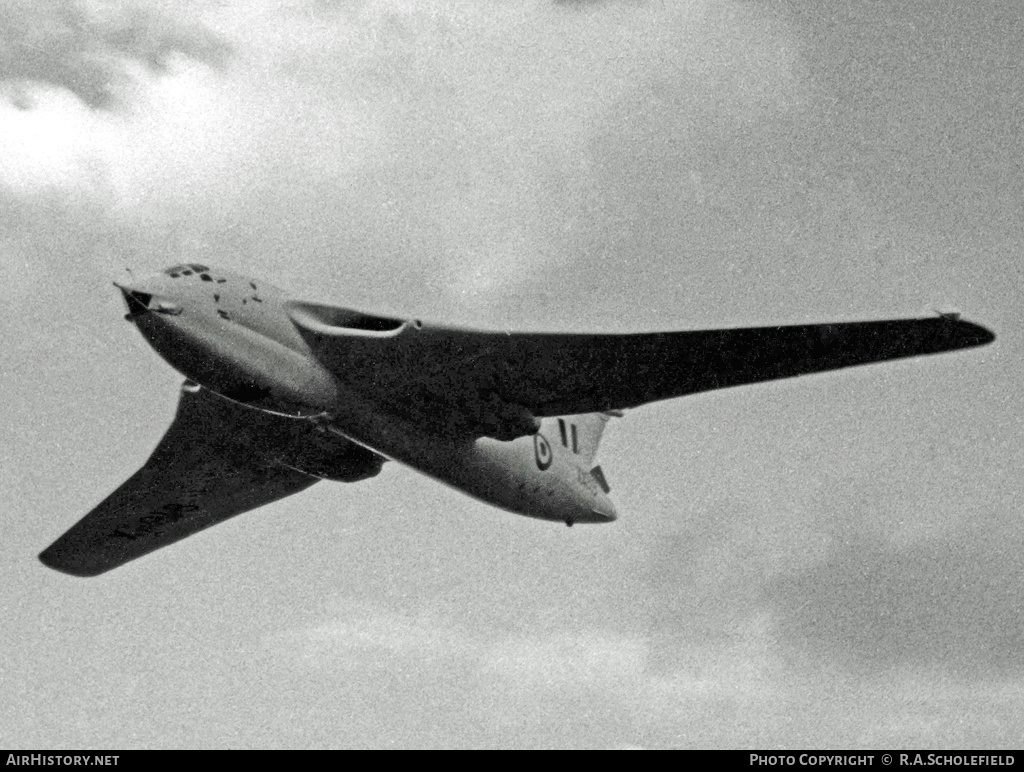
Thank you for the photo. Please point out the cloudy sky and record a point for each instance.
(834, 561)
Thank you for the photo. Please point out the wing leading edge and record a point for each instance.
(208, 467)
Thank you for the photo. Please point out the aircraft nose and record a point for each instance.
(137, 301)
(140, 302)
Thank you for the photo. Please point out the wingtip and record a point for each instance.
(970, 334)
(59, 562)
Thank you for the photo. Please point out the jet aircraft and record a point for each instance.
(282, 393)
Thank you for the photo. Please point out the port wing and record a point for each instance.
(208, 467)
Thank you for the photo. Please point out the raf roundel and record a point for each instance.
(542, 450)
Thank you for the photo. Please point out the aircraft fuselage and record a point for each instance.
(233, 336)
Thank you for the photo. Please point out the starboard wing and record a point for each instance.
(210, 465)
(615, 372)
(468, 379)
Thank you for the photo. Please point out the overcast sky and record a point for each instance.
(832, 561)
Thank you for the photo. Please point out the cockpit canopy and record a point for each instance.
(186, 269)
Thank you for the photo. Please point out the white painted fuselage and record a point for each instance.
(233, 336)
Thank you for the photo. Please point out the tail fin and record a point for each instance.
(582, 434)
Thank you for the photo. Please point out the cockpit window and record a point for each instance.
(185, 269)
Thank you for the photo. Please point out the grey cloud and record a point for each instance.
(493, 686)
(697, 583)
(953, 605)
(452, 155)
(702, 585)
(922, 100)
(62, 44)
